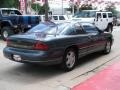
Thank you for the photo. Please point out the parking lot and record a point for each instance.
(18, 76)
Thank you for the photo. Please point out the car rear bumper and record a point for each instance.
(32, 56)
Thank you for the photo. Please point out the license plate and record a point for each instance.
(17, 57)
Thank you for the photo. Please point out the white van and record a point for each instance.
(55, 17)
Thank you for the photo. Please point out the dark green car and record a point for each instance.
(60, 44)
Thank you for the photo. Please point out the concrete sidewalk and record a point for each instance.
(107, 79)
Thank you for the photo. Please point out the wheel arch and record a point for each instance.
(110, 39)
(75, 47)
(6, 23)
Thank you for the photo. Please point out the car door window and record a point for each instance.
(104, 15)
(78, 29)
(110, 15)
(55, 17)
(89, 28)
(17, 12)
(98, 15)
(69, 31)
(61, 18)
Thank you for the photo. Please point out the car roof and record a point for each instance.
(48, 23)
(73, 21)
(98, 11)
(8, 9)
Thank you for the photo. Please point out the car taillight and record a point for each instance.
(40, 46)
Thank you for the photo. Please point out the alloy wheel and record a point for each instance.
(70, 59)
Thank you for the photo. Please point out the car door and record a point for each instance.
(98, 21)
(83, 41)
(97, 38)
(104, 20)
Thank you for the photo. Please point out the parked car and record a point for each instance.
(55, 17)
(62, 44)
(13, 22)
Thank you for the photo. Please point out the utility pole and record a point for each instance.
(46, 10)
(62, 7)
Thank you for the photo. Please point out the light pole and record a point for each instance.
(72, 6)
(62, 7)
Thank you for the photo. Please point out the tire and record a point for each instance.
(107, 49)
(69, 59)
(5, 32)
(110, 28)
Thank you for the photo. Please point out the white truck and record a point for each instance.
(102, 19)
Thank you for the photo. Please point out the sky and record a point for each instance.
(111, 0)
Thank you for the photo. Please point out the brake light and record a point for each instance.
(40, 46)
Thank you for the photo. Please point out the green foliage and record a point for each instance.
(9, 3)
(36, 7)
(112, 8)
(83, 7)
(39, 9)
(86, 7)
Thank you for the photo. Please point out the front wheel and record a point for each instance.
(107, 47)
(5, 32)
(69, 59)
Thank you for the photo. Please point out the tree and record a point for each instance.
(86, 7)
(83, 7)
(38, 8)
(9, 3)
(112, 8)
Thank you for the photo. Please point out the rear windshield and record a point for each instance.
(56, 30)
(49, 30)
(42, 27)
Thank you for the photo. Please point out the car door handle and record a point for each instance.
(90, 37)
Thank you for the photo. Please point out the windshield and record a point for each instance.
(46, 29)
(10, 12)
(85, 14)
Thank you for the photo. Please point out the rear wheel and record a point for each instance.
(5, 32)
(107, 47)
(69, 59)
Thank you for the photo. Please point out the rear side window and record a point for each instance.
(17, 12)
(104, 15)
(110, 15)
(78, 29)
(89, 28)
(69, 31)
(55, 17)
(61, 18)
(98, 15)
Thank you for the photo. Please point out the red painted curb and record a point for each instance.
(108, 79)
